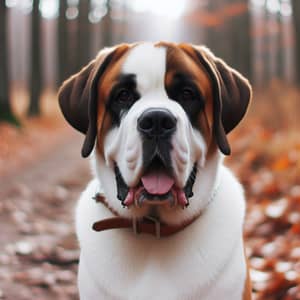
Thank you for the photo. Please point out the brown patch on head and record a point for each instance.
(78, 96)
(109, 79)
(181, 59)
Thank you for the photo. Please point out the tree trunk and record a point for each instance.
(211, 37)
(107, 26)
(62, 42)
(6, 113)
(36, 72)
(266, 57)
(246, 60)
(240, 38)
(296, 21)
(279, 49)
(84, 41)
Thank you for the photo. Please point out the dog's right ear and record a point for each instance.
(232, 95)
(78, 98)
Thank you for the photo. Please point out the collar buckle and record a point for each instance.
(156, 223)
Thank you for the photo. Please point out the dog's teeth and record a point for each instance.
(183, 206)
(141, 200)
(172, 201)
(175, 200)
(124, 205)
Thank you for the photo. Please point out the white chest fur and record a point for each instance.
(204, 261)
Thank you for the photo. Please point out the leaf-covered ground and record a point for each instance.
(38, 249)
(41, 175)
(268, 162)
(266, 159)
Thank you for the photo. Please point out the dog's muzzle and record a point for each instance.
(156, 187)
(157, 184)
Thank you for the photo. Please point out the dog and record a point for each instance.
(163, 217)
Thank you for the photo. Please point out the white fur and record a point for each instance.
(204, 261)
(123, 145)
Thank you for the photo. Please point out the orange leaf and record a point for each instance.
(281, 164)
(296, 228)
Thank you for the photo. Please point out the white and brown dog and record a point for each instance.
(155, 117)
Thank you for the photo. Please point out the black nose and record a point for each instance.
(156, 122)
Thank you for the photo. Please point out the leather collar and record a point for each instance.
(147, 224)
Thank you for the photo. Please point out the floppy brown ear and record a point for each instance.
(231, 92)
(78, 99)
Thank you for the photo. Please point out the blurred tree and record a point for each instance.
(107, 25)
(228, 52)
(266, 41)
(62, 42)
(279, 47)
(119, 31)
(84, 38)
(212, 30)
(72, 42)
(6, 113)
(36, 70)
(229, 33)
(296, 20)
(239, 35)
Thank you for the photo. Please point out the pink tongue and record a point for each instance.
(157, 183)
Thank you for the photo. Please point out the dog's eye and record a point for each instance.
(187, 94)
(125, 96)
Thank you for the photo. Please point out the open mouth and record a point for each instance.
(156, 187)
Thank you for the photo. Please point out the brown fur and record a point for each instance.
(182, 58)
(185, 58)
(104, 89)
(227, 92)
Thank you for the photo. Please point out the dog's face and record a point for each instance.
(156, 114)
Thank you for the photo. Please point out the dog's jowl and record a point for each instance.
(162, 214)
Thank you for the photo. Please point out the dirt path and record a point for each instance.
(38, 249)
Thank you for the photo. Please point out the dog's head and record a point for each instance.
(154, 114)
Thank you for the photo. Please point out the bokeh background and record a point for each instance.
(43, 42)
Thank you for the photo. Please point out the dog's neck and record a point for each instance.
(154, 227)
(205, 186)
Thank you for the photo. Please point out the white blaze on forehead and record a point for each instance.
(148, 63)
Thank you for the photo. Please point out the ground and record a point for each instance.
(38, 250)
(42, 174)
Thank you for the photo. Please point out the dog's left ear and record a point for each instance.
(78, 96)
(231, 92)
